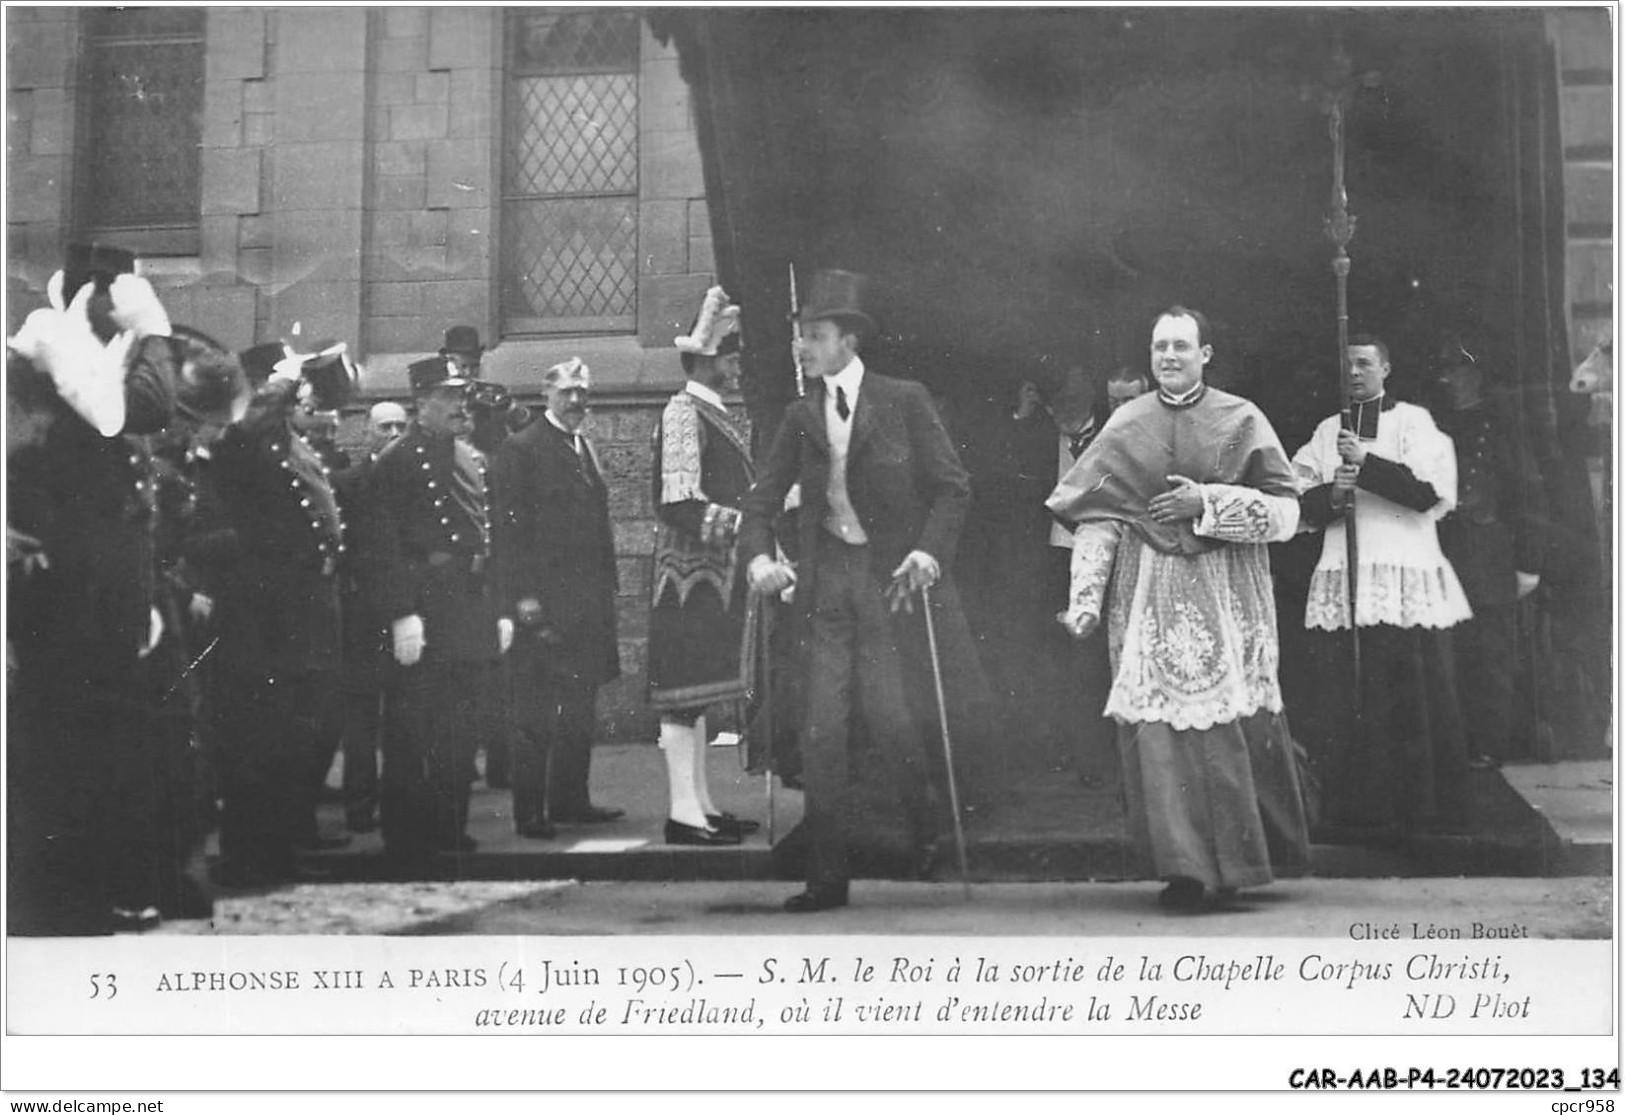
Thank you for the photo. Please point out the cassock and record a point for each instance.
(1209, 771)
(1393, 754)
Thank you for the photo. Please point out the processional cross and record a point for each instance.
(1336, 93)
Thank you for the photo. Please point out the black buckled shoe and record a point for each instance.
(679, 833)
(817, 896)
(727, 821)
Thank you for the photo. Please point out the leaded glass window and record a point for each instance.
(140, 127)
(570, 171)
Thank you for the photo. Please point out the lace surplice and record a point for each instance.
(1404, 577)
(1192, 637)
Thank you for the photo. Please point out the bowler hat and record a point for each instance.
(839, 296)
(431, 372)
(85, 262)
(462, 338)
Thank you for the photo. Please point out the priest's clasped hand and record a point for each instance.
(1181, 503)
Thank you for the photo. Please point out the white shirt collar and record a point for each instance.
(701, 391)
(848, 379)
(1186, 396)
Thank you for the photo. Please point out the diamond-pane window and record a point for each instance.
(138, 171)
(570, 171)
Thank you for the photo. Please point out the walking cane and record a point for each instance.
(947, 741)
(764, 633)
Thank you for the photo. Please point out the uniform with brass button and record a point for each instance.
(426, 557)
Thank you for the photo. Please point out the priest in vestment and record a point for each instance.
(1173, 506)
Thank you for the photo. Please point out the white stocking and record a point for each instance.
(678, 742)
(702, 781)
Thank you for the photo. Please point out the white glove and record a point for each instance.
(201, 607)
(1527, 583)
(155, 631)
(136, 307)
(769, 576)
(408, 633)
(504, 634)
(88, 375)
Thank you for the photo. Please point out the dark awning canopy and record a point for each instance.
(1027, 187)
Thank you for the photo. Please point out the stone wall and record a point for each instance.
(350, 188)
(1585, 61)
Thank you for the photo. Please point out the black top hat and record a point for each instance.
(462, 338)
(261, 360)
(839, 296)
(331, 375)
(85, 262)
(431, 372)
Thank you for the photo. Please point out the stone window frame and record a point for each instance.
(514, 325)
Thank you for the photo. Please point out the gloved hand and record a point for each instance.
(155, 631)
(136, 308)
(769, 576)
(201, 607)
(504, 634)
(287, 372)
(408, 634)
(88, 375)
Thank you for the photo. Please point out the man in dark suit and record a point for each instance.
(558, 556)
(428, 560)
(883, 498)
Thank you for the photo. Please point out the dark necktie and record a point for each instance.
(587, 468)
(840, 404)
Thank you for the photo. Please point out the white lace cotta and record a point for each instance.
(1404, 579)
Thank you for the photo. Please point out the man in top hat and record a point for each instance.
(272, 571)
(559, 573)
(1494, 540)
(1394, 751)
(883, 498)
(92, 369)
(428, 550)
(702, 470)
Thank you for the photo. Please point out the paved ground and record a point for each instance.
(1038, 824)
(1577, 907)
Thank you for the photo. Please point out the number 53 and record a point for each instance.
(103, 985)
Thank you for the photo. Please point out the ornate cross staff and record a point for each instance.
(1335, 96)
